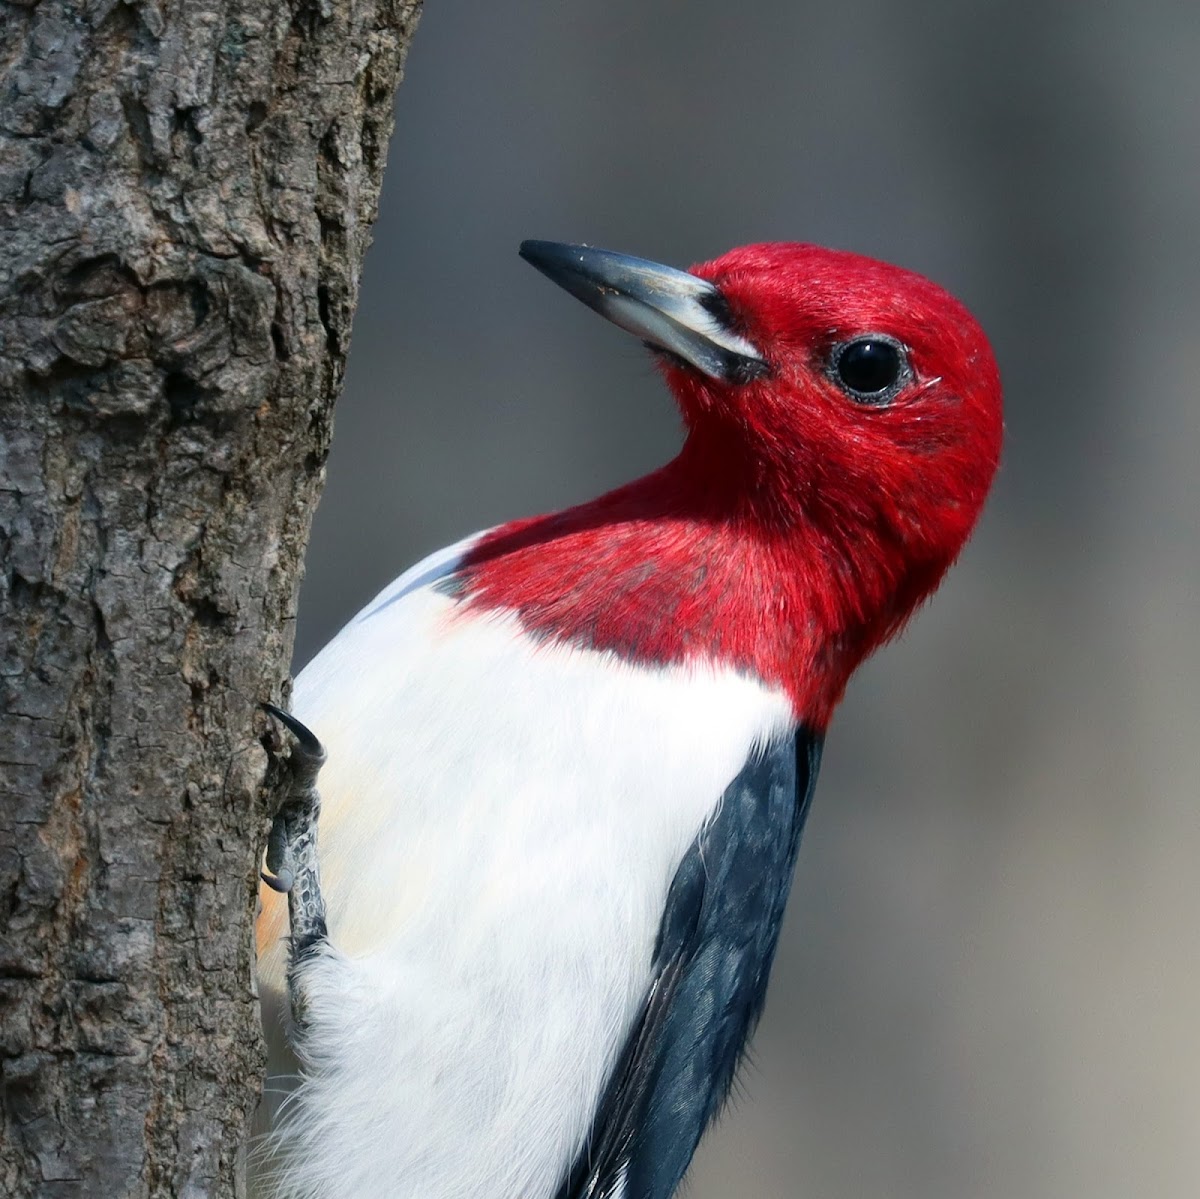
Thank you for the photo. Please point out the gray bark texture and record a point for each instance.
(186, 192)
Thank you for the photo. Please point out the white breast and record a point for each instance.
(502, 819)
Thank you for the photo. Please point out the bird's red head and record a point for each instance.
(843, 428)
(872, 426)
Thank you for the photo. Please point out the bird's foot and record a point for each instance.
(292, 842)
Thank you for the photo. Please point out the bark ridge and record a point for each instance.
(186, 192)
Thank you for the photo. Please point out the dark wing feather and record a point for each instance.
(713, 957)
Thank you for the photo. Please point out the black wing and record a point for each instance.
(711, 964)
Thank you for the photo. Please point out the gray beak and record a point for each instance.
(668, 309)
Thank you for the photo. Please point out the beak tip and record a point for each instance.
(537, 252)
(560, 262)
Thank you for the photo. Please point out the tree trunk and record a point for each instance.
(186, 192)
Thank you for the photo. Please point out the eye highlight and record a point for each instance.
(870, 369)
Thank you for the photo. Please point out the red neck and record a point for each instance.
(693, 564)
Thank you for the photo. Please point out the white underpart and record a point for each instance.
(501, 821)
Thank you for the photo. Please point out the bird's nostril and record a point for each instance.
(717, 306)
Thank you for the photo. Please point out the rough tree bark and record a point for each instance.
(186, 192)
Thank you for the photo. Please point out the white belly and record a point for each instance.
(502, 819)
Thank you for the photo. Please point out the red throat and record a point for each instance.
(668, 570)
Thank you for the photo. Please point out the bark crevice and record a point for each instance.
(186, 193)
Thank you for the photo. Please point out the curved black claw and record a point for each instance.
(307, 742)
(292, 842)
(282, 880)
(280, 874)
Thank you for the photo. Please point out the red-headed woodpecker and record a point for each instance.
(569, 759)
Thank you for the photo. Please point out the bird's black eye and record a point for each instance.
(871, 369)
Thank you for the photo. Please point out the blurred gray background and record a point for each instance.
(989, 982)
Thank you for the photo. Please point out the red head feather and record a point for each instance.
(800, 524)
